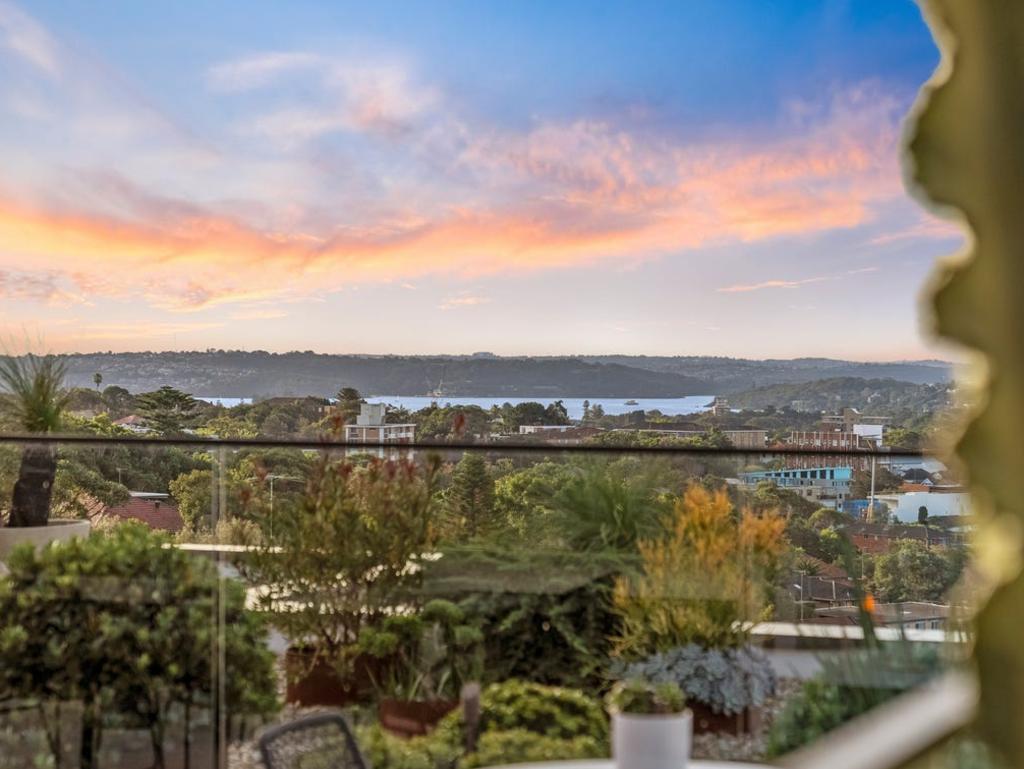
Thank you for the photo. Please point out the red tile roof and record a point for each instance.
(156, 513)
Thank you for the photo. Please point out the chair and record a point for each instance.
(322, 741)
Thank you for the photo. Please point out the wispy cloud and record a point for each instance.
(28, 39)
(744, 287)
(337, 94)
(926, 228)
(465, 300)
(741, 288)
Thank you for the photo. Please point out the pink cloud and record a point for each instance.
(461, 198)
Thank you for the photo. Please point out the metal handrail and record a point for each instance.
(897, 732)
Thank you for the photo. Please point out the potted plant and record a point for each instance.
(651, 727)
(37, 399)
(422, 660)
(726, 688)
(342, 558)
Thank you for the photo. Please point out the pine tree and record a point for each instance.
(471, 498)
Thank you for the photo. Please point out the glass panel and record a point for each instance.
(225, 588)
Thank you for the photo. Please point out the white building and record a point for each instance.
(371, 428)
(531, 429)
(905, 506)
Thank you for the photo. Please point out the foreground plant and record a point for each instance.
(635, 696)
(124, 625)
(37, 399)
(342, 556)
(704, 580)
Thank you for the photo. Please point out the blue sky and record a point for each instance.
(529, 177)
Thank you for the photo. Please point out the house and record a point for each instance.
(940, 501)
(133, 423)
(829, 486)
(829, 585)
(155, 510)
(531, 429)
(370, 428)
(877, 538)
(572, 436)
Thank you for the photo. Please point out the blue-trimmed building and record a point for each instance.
(828, 485)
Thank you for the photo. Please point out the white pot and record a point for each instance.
(652, 742)
(56, 530)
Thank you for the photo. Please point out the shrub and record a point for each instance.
(519, 745)
(544, 617)
(726, 680)
(638, 697)
(424, 656)
(704, 580)
(125, 625)
(519, 721)
(386, 751)
(547, 710)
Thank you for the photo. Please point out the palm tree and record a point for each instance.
(37, 398)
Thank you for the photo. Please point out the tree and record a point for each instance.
(167, 411)
(606, 506)
(97, 379)
(711, 572)
(523, 500)
(470, 499)
(349, 403)
(37, 402)
(118, 401)
(922, 515)
(586, 411)
(556, 414)
(122, 623)
(193, 493)
(344, 554)
(860, 486)
(913, 572)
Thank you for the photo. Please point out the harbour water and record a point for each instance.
(691, 404)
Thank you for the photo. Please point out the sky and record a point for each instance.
(529, 177)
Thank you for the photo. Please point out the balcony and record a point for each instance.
(245, 584)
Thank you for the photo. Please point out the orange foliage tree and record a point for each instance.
(704, 580)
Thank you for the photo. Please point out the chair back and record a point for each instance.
(322, 741)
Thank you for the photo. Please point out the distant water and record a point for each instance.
(229, 403)
(692, 404)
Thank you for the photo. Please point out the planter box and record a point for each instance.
(57, 530)
(321, 684)
(706, 721)
(412, 718)
(652, 742)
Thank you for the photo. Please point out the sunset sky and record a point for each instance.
(520, 177)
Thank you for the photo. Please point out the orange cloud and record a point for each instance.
(579, 192)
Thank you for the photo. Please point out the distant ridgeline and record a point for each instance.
(257, 374)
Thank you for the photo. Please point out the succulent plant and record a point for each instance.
(726, 680)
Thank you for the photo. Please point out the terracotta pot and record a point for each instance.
(321, 684)
(706, 721)
(411, 718)
(652, 742)
(57, 530)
